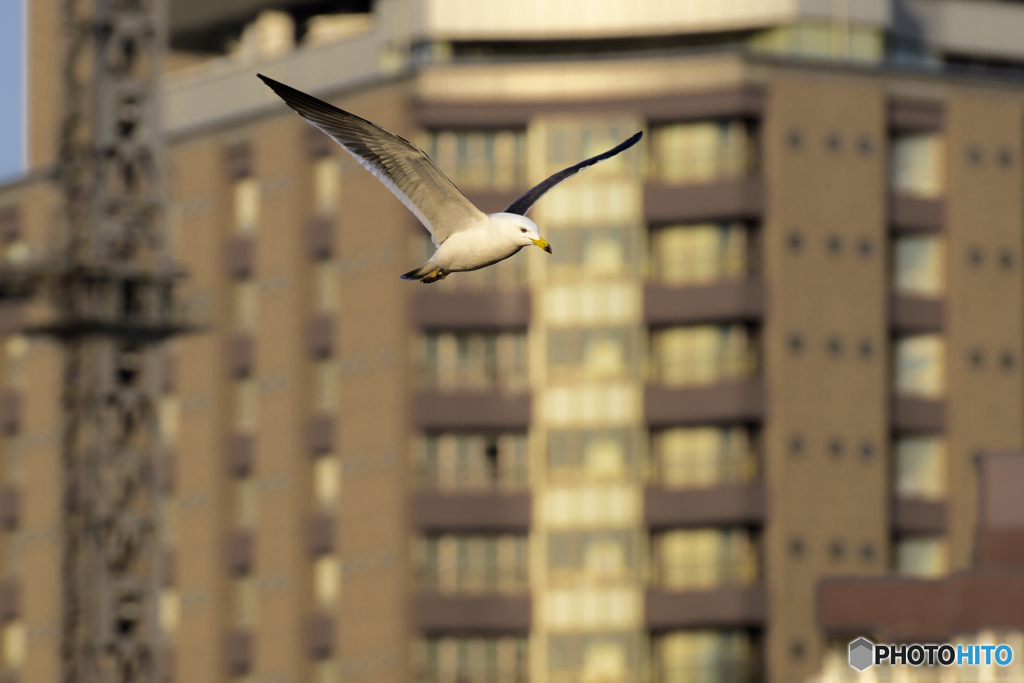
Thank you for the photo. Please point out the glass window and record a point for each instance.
(473, 461)
(169, 519)
(17, 347)
(597, 657)
(326, 385)
(325, 286)
(688, 457)
(590, 250)
(326, 580)
(244, 494)
(327, 481)
(692, 254)
(704, 151)
(19, 252)
(920, 365)
(170, 418)
(245, 601)
(703, 558)
(495, 158)
(480, 361)
(917, 165)
(245, 404)
(569, 141)
(14, 644)
(430, 360)
(473, 563)
(866, 43)
(921, 467)
(591, 353)
(599, 556)
(702, 354)
(326, 671)
(245, 305)
(592, 455)
(919, 262)
(472, 659)
(169, 611)
(326, 184)
(247, 206)
(921, 556)
(706, 656)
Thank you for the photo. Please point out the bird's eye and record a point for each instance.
(522, 229)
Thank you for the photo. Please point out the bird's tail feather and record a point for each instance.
(418, 273)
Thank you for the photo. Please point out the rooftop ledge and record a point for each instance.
(226, 90)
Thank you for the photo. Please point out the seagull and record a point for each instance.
(466, 238)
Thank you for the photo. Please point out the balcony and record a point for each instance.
(168, 567)
(320, 635)
(724, 607)
(11, 506)
(734, 504)
(320, 335)
(436, 512)
(320, 230)
(915, 116)
(240, 454)
(320, 431)
(241, 353)
(737, 300)
(435, 410)
(471, 310)
(911, 314)
(908, 214)
(240, 551)
(733, 199)
(239, 647)
(489, 614)
(240, 256)
(915, 516)
(735, 401)
(917, 415)
(320, 532)
(12, 408)
(10, 599)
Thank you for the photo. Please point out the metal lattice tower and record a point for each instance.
(111, 286)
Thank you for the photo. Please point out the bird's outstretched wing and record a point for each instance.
(403, 167)
(525, 202)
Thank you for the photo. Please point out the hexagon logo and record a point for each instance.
(861, 654)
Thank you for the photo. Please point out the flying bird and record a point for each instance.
(466, 238)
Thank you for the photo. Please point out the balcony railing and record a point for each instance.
(697, 469)
(470, 580)
(727, 568)
(724, 671)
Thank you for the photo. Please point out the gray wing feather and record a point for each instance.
(525, 202)
(403, 167)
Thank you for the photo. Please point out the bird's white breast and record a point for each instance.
(474, 248)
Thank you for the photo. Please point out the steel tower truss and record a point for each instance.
(111, 285)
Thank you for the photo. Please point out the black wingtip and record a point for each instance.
(276, 86)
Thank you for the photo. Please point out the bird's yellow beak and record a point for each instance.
(542, 244)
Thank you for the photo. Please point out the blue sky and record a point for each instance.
(11, 68)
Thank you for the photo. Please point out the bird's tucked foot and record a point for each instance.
(434, 276)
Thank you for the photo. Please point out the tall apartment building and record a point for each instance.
(765, 350)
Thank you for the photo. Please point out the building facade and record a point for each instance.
(978, 606)
(766, 347)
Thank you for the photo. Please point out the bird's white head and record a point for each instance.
(520, 230)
